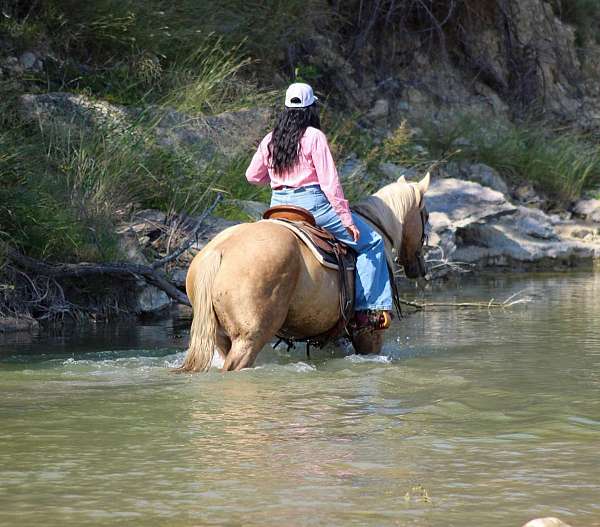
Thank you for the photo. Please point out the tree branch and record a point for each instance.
(81, 270)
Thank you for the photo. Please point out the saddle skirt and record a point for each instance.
(328, 251)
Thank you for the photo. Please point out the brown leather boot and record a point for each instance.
(373, 319)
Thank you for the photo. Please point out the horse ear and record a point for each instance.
(402, 180)
(424, 183)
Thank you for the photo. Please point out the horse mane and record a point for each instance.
(388, 207)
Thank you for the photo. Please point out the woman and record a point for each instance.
(295, 159)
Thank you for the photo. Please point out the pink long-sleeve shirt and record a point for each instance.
(315, 166)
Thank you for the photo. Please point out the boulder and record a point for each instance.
(151, 300)
(254, 209)
(392, 171)
(588, 209)
(228, 133)
(478, 172)
(178, 276)
(130, 247)
(546, 522)
(454, 203)
(478, 226)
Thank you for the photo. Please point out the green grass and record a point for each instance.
(63, 191)
(560, 162)
(202, 56)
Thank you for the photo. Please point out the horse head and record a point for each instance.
(414, 232)
(398, 212)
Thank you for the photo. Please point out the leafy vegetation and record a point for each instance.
(560, 162)
(63, 191)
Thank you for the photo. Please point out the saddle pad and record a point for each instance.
(326, 259)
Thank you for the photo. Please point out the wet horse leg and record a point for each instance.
(242, 354)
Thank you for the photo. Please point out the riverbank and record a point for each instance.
(118, 129)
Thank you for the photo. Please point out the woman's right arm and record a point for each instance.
(330, 183)
(257, 172)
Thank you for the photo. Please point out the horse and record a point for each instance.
(254, 280)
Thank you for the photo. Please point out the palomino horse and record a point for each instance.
(254, 279)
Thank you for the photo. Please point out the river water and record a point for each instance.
(470, 418)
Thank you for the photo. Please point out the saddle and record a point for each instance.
(330, 253)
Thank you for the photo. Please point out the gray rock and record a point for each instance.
(546, 522)
(534, 223)
(392, 171)
(151, 215)
(501, 245)
(488, 177)
(178, 276)
(379, 110)
(30, 61)
(254, 209)
(150, 299)
(226, 134)
(588, 209)
(479, 172)
(130, 248)
(353, 168)
(525, 193)
(455, 203)
(478, 226)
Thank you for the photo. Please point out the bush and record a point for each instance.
(560, 162)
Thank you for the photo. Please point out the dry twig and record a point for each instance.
(512, 300)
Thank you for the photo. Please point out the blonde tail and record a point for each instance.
(204, 324)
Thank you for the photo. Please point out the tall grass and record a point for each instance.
(62, 192)
(560, 162)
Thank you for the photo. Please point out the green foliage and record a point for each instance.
(62, 192)
(584, 15)
(559, 162)
(155, 51)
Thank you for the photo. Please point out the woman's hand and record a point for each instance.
(354, 232)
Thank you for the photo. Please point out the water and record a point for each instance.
(472, 417)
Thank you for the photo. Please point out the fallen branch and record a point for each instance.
(150, 273)
(58, 271)
(511, 301)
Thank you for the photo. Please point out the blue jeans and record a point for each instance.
(372, 284)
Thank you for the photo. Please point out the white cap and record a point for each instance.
(299, 95)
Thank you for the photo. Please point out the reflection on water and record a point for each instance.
(472, 417)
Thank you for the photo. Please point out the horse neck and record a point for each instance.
(387, 210)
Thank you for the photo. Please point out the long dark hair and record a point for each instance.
(290, 125)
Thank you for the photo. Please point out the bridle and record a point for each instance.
(424, 230)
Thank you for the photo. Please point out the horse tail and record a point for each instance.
(204, 323)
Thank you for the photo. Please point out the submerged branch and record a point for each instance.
(513, 300)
